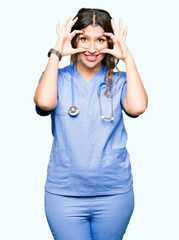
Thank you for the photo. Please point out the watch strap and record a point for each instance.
(52, 50)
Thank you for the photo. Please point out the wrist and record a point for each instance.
(128, 56)
(56, 52)
(58, 47)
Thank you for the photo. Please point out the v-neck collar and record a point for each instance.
(95, 78)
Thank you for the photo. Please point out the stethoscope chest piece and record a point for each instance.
(73, 111)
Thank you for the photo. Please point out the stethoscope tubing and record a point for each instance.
(72, 84)
(73, 111)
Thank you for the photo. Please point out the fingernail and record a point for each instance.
(83, 30)
(103, 32)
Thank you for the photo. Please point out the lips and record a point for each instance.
(91, 57)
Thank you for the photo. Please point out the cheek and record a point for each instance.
(81, 45)
(102, 46)
(102, 55)
(78, 45)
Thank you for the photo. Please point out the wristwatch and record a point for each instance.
(52, 50)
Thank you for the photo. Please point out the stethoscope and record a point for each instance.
(74, 111)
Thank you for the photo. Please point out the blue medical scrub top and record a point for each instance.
(88, 155)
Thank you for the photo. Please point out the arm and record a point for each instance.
(46, 92)
(136, 100)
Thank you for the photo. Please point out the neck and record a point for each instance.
(86, 71)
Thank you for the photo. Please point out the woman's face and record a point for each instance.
(93, 41)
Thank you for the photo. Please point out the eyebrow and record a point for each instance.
(88, 35)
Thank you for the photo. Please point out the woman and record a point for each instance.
(89, 187)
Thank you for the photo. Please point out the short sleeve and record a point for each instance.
(123, 96)
(123, 93)
(40, 111)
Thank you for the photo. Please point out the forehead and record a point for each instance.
(93, 30)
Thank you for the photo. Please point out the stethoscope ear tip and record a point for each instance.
(110, 118)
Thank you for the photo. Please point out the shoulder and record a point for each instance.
(65, 71)
(119, 78)
(121, 75)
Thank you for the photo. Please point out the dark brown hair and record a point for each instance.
(97, 17)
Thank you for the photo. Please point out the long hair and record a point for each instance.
(97, 17)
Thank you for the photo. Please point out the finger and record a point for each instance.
(109, 35)
(107, 50)
(66, 23)
(114, 27)
(58, 28)
(120, 26)
(78, 50)
(76, 32)
(125, 32)
(73, 23)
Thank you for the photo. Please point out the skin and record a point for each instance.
(93, 41)
(90, 43)
(137, 100)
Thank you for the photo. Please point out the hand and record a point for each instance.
(120, 49)
(65, 36)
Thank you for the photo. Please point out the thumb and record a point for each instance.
(107, 50)
(78, 50)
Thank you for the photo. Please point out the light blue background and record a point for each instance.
(28, 31)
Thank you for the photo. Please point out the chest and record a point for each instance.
(87, 100)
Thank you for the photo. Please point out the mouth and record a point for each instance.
(91, 57)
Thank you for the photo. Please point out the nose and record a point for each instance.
(92, 47)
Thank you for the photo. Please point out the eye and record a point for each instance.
(101, 40)
(83, 39)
